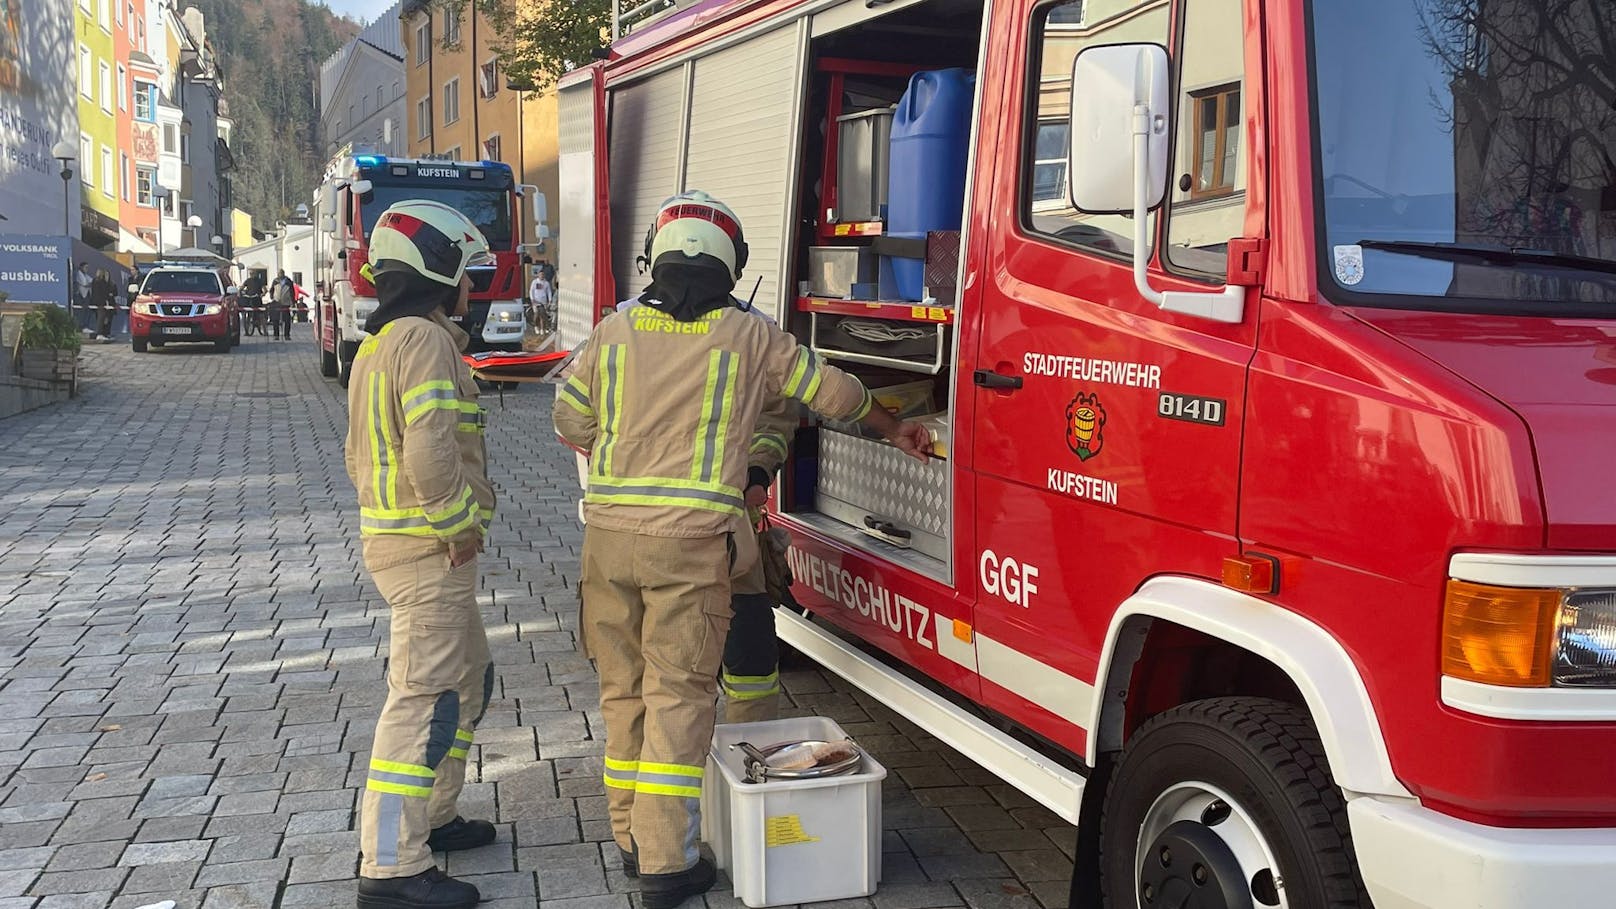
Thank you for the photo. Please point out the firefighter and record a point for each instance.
(416, 454)
(750, 676)
(750, 673)
(664, 397)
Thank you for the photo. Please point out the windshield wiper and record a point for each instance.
(1493, 255)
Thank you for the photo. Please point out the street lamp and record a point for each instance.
(65, 152)
(193, 222)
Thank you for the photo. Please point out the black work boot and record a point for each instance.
(460, 834)
(431, 889)
(665, 891)
(631, 862)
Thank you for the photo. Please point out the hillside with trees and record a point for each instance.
(270, 52)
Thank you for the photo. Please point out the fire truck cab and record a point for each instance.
(1271, 355)
(359, 187)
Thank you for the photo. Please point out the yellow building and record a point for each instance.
(458, 102)
(97, 67)
(241, 229)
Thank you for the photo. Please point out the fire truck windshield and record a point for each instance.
(1464, 153)
(489, 209)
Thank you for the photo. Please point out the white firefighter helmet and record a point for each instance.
(428, 238)
(694, 223)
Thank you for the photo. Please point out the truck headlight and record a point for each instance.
(506, 315)
(212, 309)
(1585, 644)
(1529, 637)
(151, 309)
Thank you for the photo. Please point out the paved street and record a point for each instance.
(191, 664)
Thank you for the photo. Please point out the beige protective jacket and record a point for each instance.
(669, 413)
(415, 449)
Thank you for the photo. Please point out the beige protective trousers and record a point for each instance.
(654, 616)
(439, 680)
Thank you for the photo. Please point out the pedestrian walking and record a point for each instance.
(416, 455)
(541, 298)
(83, 286)
(281, 297)
(665, 397)
(102, 304)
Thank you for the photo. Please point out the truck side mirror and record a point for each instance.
(232, 290)
(1119, 107)
(1117, 164)
(360, 187)
(541, 215)
(328, 224)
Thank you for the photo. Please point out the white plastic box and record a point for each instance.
(792, 841)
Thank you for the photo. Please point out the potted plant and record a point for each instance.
(49, 342)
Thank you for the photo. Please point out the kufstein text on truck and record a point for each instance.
(1270, 351)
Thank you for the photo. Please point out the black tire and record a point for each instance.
(328, 359)
(345, 357)
(1266, 756)
(139, 344)
(222, 345)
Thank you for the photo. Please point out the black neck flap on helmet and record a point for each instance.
(403, 292)
(688, 288)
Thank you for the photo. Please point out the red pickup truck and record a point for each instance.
(184, 303)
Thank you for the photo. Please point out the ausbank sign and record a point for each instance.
(34, 269)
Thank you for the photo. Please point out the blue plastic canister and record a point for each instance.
(931, 134)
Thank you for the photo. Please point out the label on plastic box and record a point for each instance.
(785, 830)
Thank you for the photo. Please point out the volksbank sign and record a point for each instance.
(34, 269)
(38, 108)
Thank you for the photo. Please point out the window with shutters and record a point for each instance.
(491, 148)
(488, 79)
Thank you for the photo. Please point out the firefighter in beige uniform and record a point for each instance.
(665, 398)
(750, 671)
(415, 452)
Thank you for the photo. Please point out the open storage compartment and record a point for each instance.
(890, 95)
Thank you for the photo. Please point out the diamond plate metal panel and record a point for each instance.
(858, 476)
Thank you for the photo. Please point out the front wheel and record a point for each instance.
(222, 345)
(139, 345)
(1227, 802)
(346, 351)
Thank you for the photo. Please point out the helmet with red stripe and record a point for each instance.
(692, 225)
(428, 238)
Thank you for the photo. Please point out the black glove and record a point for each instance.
(757, 476)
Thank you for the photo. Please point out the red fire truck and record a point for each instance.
(1274, 541)
(359, 187)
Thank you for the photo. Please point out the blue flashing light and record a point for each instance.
(370, 160)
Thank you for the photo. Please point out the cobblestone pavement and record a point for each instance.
(191, 664)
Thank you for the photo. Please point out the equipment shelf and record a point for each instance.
(897, 311)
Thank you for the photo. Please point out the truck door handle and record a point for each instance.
(987, 378)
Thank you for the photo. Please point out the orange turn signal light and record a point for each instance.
(1499, 635)
(1251, 573)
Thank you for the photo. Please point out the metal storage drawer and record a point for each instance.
(861, 478)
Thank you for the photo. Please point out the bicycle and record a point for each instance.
(252, 321)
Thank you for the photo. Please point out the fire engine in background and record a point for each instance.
(358, 188)
(1271, 346)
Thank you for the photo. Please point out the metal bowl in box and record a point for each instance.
(839, 758)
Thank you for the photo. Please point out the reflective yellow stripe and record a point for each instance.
(689, 792)
(620, 784)
(674, 769)
(804, 380)
(422, 792)
(396, 767)
(712, 429)
(768, 441)
(616, 764)
(611, 380)
(864, 408)
(576, 395)
(661, 491)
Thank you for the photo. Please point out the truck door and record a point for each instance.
(583, 237)
(1106, 432)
